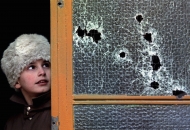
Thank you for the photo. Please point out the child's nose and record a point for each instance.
(41, 71)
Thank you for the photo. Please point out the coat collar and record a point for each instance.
(43, 100)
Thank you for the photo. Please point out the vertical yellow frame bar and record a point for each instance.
(61, 52)
(53, 41)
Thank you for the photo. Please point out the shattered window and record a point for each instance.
(132, 117)
(132, 47)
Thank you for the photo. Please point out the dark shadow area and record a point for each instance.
(19, 17)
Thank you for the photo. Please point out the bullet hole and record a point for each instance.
(92, 33)
(139, 18)
(60, 4)
(155, 62)
(148, 37)
(95, 35)
(122, 54)
(154, 85)
(179, 93)
(81, 32)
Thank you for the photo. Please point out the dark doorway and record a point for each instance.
(19, 17)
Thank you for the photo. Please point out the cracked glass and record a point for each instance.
(132, 47)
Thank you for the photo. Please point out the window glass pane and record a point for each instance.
(133, 47)
(127, 117)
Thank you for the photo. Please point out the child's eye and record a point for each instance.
(31, 67)
(46, 64)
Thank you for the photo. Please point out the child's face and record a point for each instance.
(35, 78)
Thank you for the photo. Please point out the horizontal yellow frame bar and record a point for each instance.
(125, 97)
(137, 102)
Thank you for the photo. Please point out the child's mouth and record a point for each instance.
(42, 82)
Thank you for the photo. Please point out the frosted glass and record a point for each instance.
(132, 117)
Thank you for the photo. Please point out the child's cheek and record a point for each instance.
(31, 79)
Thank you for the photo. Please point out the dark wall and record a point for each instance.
(19, 17)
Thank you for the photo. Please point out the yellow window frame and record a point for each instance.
(63, 98)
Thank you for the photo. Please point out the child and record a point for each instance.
(26, 64)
